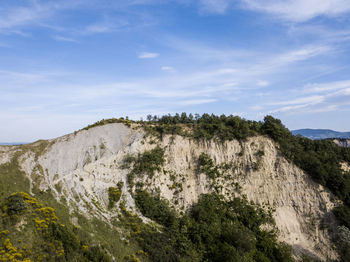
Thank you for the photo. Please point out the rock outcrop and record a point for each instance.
(342, 142)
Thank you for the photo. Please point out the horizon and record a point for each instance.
(69, 64)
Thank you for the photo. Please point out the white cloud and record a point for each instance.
(289, 109)
(309, 100)
(324, 32)
(22, 77)
(324, 109)
(288, 10)
(98, 28)
(63, 38)
(215, 6)
(19, 16)
(105, 26)
(325, 87)
(301, 54)
(32, 13)
(16, 18)
(169, 69)
(332, 96)
(148, 55)
(242, 62)
(193, 102)
(299, 10)
(256, 108)
(262, 83)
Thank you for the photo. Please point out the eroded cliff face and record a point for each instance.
(81, 167)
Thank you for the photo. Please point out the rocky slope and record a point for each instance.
(80, 168)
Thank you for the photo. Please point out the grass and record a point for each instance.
(12, 178)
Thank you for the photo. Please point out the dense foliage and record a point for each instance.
(213, 230)
(203, 127)
(155, 208)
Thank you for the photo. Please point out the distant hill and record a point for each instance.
(12, 143)
(320, 133)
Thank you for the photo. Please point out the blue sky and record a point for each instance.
(65, 64)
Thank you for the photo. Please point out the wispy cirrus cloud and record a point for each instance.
(215, 6)
(63, 38)
(287, 10)
(327, 87)
(193, 102)
(32, 13)
(302, 100)
(330, 97)
(110, 17)
(148, 55)
(98, 28)
(320, 32)
(106, 25)
(19, 16)
(263, 83)
(195, 86)
(301, 54)
(299, 10)
(169, 69)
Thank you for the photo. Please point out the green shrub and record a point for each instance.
(147, 163)
(206, 165)
(15, 204)
(114, 194)
(97, 254)
(155, 208)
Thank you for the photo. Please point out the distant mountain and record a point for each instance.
(12, 143)
(320, 133)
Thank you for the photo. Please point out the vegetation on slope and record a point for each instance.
(114, 194)
(34, 233)
(213, 230)
(147, 162)
(318, 158)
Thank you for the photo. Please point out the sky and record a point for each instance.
(65, 64)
